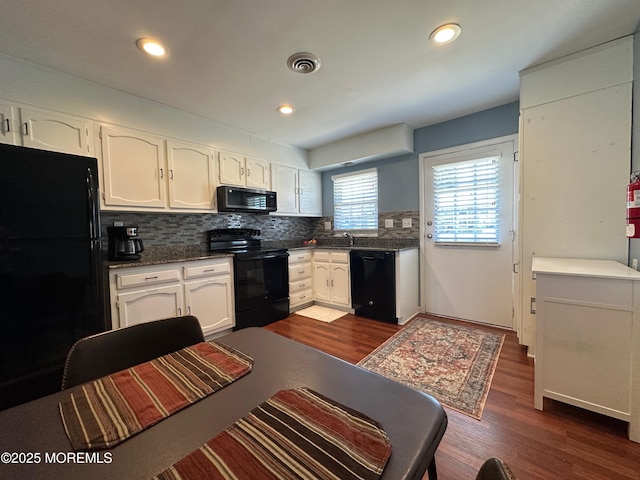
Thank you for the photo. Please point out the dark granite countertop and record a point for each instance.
(355, 247)
(172, 254)
(188, 253)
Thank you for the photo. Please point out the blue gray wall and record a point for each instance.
(398, 177)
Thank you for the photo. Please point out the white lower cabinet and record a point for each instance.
(142, 306)
(211, 300)
(300, 278)
(588, 337)
(331, 277)
(203, 288)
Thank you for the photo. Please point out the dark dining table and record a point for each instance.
(34, 444)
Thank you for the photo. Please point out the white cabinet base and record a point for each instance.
(203, 288)
(588, 337)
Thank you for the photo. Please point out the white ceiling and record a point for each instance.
(228, 57)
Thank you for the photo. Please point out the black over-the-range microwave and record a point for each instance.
(247, 200)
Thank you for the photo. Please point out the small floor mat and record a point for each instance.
(324, 314)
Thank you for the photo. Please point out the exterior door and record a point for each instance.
(468, 233)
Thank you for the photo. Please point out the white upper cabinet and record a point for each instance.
(310, 193)
(58, 132)
(236, 169)
(258, 173)
(231, 168)
(133, 168)
(8, 124)
(46, 130)
(284, 181)
(299, 191)
(191, 176)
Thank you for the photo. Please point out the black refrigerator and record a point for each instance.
(51, 283)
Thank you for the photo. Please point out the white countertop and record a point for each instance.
(584, 268)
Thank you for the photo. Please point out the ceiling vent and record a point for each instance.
(303, 62)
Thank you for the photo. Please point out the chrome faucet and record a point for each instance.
(349, 235)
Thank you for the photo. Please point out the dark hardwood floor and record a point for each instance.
(560, 443)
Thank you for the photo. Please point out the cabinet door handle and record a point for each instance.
(332, 282)
(188, 309)
(241, 171)
(532, 306)
(179, 312)
(171, 174)
(8, 125)
(327, 282)
(248, 172)
(26, 128)
(161, 173)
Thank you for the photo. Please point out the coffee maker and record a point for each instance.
(124, 243)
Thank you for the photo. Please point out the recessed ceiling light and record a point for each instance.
(286, 109)
(152, 47)
(445, 34)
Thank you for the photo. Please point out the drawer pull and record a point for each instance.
(209, 270)
(301, 272)
(155, 277)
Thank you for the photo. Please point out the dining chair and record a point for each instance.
(495, 469)
(109, 352)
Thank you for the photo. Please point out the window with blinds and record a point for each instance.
(467, 202)
(355, 201)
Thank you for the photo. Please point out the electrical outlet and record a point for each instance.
(407, 223)
(388, 223)
(327, 225)
(118, 224)
(634, 263)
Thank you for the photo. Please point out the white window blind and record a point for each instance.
(355, 201)
(467, 202)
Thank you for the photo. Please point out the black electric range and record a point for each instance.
(261, 276)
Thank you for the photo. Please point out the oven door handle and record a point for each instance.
(261, 257)
(275, 255)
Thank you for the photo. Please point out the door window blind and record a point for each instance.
(355, 201)
(467, 202)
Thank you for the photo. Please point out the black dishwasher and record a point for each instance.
(373, 284)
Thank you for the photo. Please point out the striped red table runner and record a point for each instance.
(296, 434)
(107, 411)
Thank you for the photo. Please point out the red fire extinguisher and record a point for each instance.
(633, 206)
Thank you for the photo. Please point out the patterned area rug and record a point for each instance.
(453, 363)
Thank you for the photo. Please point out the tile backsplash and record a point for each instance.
(162, 229)
(168, 229)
